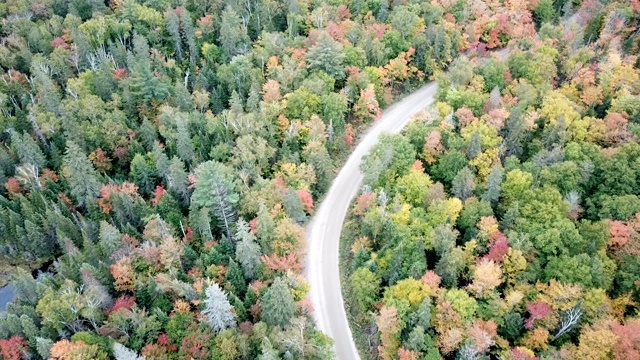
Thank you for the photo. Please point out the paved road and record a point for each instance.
(323, 232)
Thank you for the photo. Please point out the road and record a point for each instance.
(323, 232)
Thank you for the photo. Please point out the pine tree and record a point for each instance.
(148, 134)
(235, 40)
(27, 149)
(143, 83)
(247, 251)
(293, 206)
(177, 179)
(218, 310)
(463, 184)
(316, 155)
(234, 279)
(515, 133)
(215, 191)
(143, 174)
(494, 182)
(475, 146)
(278, 306)
(25, 286)
(327, 55)
(121, 352)
(173, 27)
(264, 228)
(184, 144)
(160, 159)
(81, 175)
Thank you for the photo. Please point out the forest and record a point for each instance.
(160, 158)
(504, 222)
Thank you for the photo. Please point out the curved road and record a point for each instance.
(323, 232)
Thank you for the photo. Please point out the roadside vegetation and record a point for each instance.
(505, 221)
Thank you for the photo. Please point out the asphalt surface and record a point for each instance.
(323, 232)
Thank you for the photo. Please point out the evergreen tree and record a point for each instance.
(293, 206)
(215, 190)
(247, 251)
(177, 179)
(161, 160)
(27, 149)
(218, 310)
(184, 144)
(515, 133)
(173, 27)
(148, 134)
(264, 228)
(494, 182)
(234, 278)
(143, 174)
(475, 146)
(463, 184)
(327, 55)
(121, 352)
(278, 306)
(82, 176)
(235, 40)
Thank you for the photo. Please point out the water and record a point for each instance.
(7, 293)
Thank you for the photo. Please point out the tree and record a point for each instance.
(234, 279)
(81, 175)
(414, 187)
(486, 277)
(475, 146)
(463, 184)
(235, 40)
(494, 182)
(177, 178)
(367, 107)
(538, 310)
(389, 327)
(293, 206)
(27, 149)
(278, 306)
(12, 348)
(366, 287)
(569, 320)
(450, 266)
(444, 239)
(215, 190)
(184, 145)
(406, 21)
(306, 200)
(218, 310)
(544, 12)
(143, 173)
(628, 339)
(247, 250)
(327, 55)
(253, 153)
(121, 352)
(392, 156)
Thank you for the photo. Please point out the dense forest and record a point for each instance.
(505, 221)
(159, 158)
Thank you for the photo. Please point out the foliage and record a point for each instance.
(514, 234)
